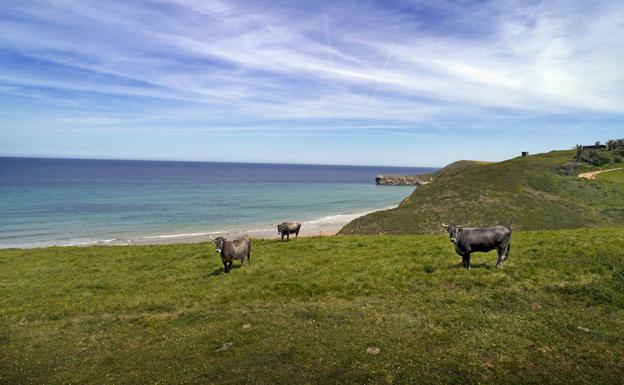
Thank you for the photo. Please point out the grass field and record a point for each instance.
(307, 311)
(528, 193)
(613, 176)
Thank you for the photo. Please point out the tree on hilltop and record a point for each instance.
(579, 152)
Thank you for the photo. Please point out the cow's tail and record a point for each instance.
(508, 248)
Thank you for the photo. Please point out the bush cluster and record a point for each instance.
(613, 154)
(602, 158)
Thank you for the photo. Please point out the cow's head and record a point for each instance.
(453, 231)
(279, 228)
(218, 241)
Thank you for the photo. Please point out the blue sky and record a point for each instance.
(410, 83)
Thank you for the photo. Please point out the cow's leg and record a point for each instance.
(500, 251)
(464, 260)
(468, 260)
(287, 237)
(225, 267)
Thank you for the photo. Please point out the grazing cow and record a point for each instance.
(469, 240)
(231, 250)
(287, 228)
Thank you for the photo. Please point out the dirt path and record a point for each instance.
(592, 174)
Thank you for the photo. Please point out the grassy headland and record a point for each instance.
(527, 193)
(307, 311)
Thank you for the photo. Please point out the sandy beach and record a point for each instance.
(326, 226)
(254, 234)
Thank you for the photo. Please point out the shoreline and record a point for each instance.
(325, 226)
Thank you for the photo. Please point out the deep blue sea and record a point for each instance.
(74, 201)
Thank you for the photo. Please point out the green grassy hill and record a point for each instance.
(307, 311)
(526, 192)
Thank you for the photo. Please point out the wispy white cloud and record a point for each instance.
(402, 65)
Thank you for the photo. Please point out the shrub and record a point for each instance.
(568, 169)
(617, 158)
(588, 156)
(602, 158)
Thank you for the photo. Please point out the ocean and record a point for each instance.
(46, 202)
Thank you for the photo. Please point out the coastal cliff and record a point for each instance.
(422, 179)
(402, 180)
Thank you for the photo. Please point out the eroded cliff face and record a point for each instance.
(419, 180)
(402, 180)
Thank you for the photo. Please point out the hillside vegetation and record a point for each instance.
(527, 193)
(307, 311)
(613, 176)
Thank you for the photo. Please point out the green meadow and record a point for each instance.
(616, 177)
(307, 311)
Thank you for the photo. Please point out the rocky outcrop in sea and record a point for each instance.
(402, 180)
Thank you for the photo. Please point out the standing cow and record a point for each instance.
(469, 240)
(287, 228)
(231, 250)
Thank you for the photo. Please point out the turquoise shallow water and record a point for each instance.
(67, 202)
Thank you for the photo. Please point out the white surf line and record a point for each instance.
(341, 219)
(181, 235)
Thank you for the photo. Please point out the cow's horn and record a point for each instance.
(211, 238)
(445, 225)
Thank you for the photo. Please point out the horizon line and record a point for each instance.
(207, 161)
